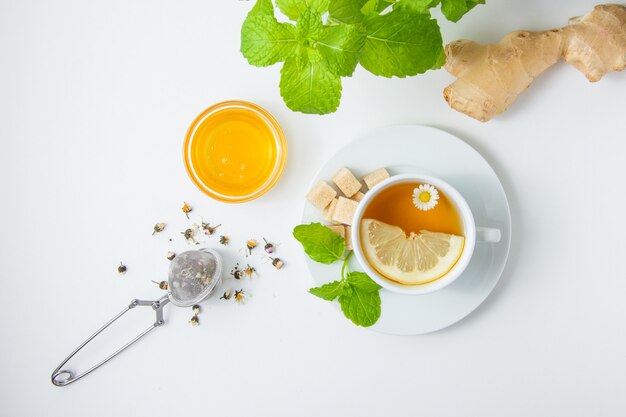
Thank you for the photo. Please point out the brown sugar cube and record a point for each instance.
(321, 195)
(347, 182)
(375, 177)
(340, 230)
(345, 210)
(358, 196)
(329, 210)
(348, 237)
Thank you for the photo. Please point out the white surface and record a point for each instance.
(95, 100)
(426, 151)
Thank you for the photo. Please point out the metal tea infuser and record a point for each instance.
(192, 276)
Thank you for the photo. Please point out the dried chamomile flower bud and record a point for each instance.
(249, 270)
(189, 235)
(236, 272)
(240, 296)
(186, 209)
(158, 228)
(269, 247)
(162, 285)
(208, 229)
(250, 244)
(277, 263)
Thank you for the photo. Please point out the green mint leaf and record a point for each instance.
(263, 7)
(346, 11)
(371, 6)
(319, 242)
(309, 27)
(416, 5)
(441, 60)
(265, 41)
(383, 4)
(401, 43)
(362, 281)
(307, 85)
(328, 291)
(362, 307)
(340, 46)
(375, 6)
(294, 8)
(454, 10)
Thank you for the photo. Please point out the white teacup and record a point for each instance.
(471, 232)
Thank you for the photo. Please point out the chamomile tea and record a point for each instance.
(411, 233)
(235, 151)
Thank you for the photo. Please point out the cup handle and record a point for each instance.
(488, 234)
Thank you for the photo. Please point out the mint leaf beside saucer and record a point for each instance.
(360, 299)
(358, 294)
(362, 282)
(362, 307)
(328, 291)
(320, 243)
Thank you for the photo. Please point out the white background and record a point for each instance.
(95, 100)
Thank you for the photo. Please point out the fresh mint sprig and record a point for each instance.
(320, 243)
(357, 294)
(331, 37)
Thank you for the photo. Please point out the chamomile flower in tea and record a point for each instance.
(224, 240)
(425, 197)
(226, 295)
(194, 320)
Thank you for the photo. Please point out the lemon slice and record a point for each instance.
(410, 260)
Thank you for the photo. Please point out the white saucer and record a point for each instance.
(421, 149)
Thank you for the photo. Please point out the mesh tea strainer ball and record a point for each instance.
(192, 276)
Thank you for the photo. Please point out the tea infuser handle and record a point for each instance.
(488, 234)
(62, 377)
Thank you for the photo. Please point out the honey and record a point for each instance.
(235, 151)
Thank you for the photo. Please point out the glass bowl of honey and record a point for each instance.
(235, 151)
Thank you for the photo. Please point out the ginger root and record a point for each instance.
(490, 77)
